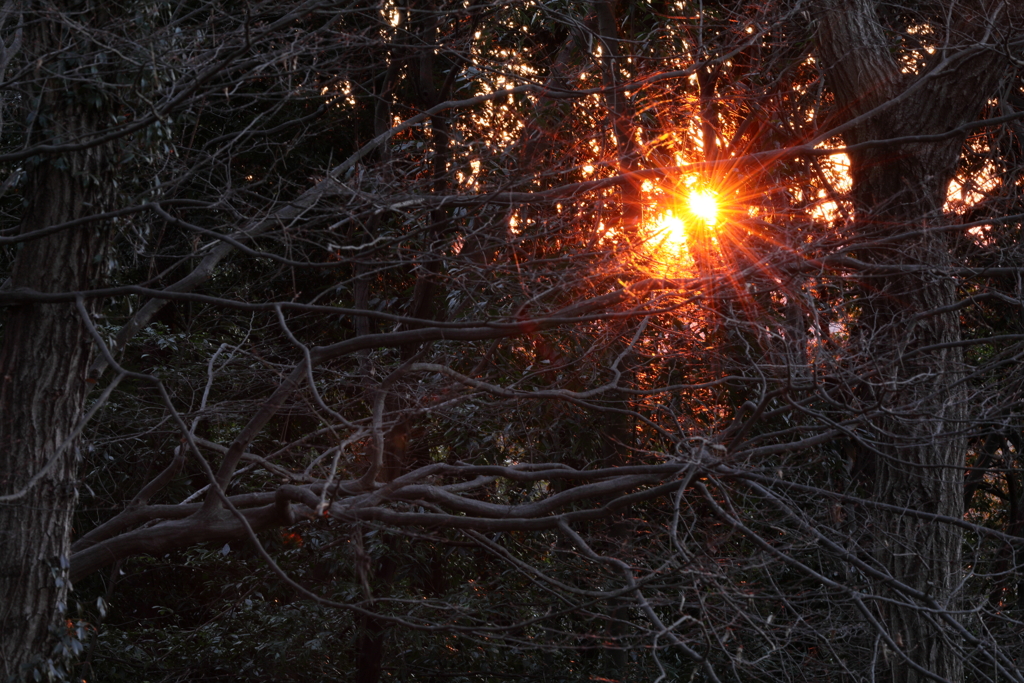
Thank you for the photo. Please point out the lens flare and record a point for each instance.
(678, 234)
(703, 204)
(669, 231)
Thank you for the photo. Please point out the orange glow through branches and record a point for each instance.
(703, 204)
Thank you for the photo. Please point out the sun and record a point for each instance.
(703, 204)
(674, 234)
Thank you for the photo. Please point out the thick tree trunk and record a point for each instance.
(620, 117)
(919, 458)
(915, 365)
(43, 360)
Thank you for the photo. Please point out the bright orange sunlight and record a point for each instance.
(683, 225)
(667, 253)
(669, 232)
(703, 204)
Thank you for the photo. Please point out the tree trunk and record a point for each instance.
(45, 352)
(919, 455)
(914, 366)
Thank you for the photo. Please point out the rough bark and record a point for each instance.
(619, 115)
(917, 447)
(43, 360)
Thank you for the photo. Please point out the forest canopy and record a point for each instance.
(535, 340)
